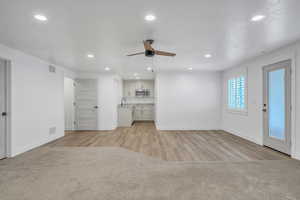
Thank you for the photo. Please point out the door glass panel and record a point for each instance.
(277, 104)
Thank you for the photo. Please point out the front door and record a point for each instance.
(2, 109)
(277, 106)
(86, 100)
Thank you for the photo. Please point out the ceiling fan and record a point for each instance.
(150, 52)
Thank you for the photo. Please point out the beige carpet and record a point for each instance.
(115, 173)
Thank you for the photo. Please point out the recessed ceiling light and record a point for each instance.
(190, 68)
(135, 74)
(257, 18)
(39, 17)
(207, 55)
(107, 69)
(91, 56)
(150, 18)
(149, 68)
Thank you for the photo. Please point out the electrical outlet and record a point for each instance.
(52, 130)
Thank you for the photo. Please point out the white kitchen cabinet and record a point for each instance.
(137, 115)
(144, 112)
(147, 115)
(125, 116)
(129, 88)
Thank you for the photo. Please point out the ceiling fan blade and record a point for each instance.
(163, 53)
(135, 54)
(147, 46)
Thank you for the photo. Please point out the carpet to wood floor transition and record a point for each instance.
(141, 163)
(173, 145)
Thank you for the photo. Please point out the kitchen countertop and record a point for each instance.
(130, 105)
(139, 104)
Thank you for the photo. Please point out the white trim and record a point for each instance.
(281, 145)
(293, 110)
(34, 145)
(236, 111)
(254, 140)
(232, 76)
(7, 67)
(8, 108)
(288, 54)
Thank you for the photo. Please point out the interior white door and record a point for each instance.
(2, 109)
(277, 106)
(86, 100)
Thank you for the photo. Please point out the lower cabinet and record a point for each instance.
(125, 116)
(147, 115)
(143, 113)
(137, 114)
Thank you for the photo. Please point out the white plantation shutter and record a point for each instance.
(236, 93)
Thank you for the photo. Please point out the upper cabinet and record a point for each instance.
(131, 86)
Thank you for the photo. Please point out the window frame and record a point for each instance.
(243, 111)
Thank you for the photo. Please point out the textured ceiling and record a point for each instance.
(113, 28)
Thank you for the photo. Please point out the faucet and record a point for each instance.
(123, 101)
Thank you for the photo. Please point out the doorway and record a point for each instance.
(3, 108)
(277, 106)
(86, 102)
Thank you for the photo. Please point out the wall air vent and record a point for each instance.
(52, 69)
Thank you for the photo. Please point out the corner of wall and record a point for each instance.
(296, 156)
(255, 140)
(20, 150)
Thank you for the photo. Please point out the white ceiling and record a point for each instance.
(110, 29)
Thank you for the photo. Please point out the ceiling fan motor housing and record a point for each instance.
(150, 41)
(149, 53)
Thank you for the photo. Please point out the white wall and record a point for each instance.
(109, 96)
(37, 102)
(250, 125)
(69, 97)
(119, 82)
(188, 100)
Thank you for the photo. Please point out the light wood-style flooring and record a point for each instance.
(172, 145)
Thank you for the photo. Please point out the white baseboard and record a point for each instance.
(255, 140)
(20, 150)
(296, 155)
(185, 128)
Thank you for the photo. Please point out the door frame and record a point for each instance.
(72, 103)
(7, 68)
(285, 146)
(76, 128)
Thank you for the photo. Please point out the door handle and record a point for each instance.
(4, 114)
(96, 107)
(264, 108)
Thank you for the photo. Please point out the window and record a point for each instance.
(236, 93)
